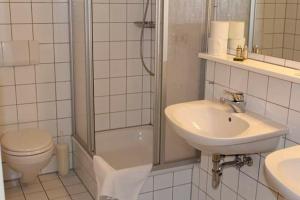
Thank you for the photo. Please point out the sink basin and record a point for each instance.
(213, 128)
(282, 170)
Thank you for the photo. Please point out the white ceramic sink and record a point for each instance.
(213, 128)
(282, 169)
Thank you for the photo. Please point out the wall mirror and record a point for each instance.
(272, 26)
(277, 28)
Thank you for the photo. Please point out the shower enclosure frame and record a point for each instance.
(89, 68)
(160, 86)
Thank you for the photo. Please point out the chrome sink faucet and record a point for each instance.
(237, 102)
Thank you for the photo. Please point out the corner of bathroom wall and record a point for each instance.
(37, 95)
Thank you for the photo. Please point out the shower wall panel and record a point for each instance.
(183, 74)
(122, 89)
(79, 70)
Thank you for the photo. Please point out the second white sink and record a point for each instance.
(282, 169)
(212, 127)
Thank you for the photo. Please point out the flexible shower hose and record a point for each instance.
(142, 40)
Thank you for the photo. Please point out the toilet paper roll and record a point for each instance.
(217, 47)
(236, 30)
(219, 29)
(234, 43)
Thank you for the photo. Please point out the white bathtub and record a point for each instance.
(126, 147)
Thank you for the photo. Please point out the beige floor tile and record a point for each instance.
(32, 188)
(50, 185)
(11, 184)
(70, 180)
(36, 196)
(76, 189)
(48, 177)
(57, 193)
(81, 196)
(63, 198)
(13, 192)
(16, 198)
(36, 181)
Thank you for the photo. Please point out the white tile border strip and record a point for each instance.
(269, 69)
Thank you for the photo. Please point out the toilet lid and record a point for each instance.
(27, 140)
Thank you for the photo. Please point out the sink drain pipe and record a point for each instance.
(219, 166)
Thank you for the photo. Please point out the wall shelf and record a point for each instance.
(268, 69)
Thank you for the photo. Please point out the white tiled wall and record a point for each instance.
(122, 87)
(169, 184)
(275, 99)
(37, 95)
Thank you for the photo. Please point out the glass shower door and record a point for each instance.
(184, 33)
(82, 73)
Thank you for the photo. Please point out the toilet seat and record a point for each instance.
(28, 153)
(26, 142)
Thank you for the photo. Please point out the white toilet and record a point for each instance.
(27, 151)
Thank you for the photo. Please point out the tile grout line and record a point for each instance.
(43, 188)
(82, 183)
(22, 189)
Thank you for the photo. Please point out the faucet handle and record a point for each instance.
(236, 96)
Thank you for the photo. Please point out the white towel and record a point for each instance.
(123, 184)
